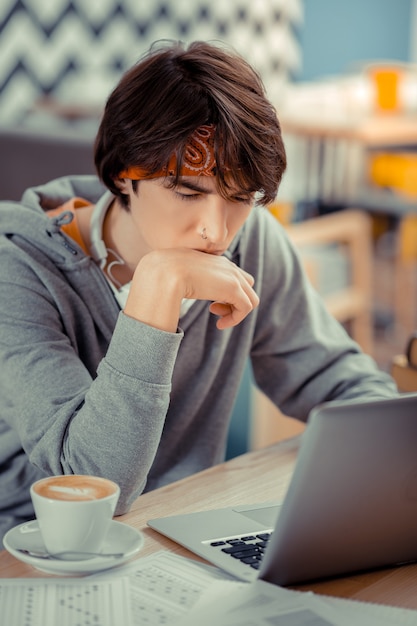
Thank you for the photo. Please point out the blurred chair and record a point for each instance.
(347, 234)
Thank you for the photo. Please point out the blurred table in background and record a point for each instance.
(337, 152)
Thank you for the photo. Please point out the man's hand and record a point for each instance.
(164, 277)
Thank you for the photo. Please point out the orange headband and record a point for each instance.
(198, 160)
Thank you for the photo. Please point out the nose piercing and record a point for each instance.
(203, 234)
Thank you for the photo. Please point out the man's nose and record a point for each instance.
(215, 219)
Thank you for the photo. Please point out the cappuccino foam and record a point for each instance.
(75, 488)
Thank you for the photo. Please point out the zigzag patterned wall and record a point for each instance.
(76, 50)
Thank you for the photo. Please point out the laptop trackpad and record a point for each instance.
(265, 515)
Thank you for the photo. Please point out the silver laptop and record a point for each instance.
(351, 504)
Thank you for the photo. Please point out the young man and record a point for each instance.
(128, 307)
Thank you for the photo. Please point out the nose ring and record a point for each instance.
(203, 234)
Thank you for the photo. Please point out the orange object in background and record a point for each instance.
(387, 81)
(282, 211)
(396, 170)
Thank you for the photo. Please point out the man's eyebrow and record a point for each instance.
(193, 186)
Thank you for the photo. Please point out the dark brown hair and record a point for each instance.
(175, 89)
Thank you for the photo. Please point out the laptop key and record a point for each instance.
(248, 560)
(244, 547)
(264, 536)
(245, 554)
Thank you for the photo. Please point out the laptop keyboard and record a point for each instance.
(248, 549)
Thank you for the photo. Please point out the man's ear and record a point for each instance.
(123, 184)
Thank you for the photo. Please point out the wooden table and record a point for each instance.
(253, 477)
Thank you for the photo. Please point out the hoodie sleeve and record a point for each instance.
(124, 409)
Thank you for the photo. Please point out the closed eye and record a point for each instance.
(188, 196)
(243, 199)
(196, 196)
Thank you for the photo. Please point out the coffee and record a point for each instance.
(75, 488)
(74, 512)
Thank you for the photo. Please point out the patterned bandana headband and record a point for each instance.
(198, 159)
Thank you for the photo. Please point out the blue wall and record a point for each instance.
(337, 34)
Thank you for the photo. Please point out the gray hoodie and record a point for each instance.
(86, 389)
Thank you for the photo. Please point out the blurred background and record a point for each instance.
(74, 51)
(343, 77)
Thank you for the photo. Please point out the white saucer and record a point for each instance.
(120, 538)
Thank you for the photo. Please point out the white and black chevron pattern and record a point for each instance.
(77, 49)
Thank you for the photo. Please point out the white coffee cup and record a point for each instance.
(74, 511)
